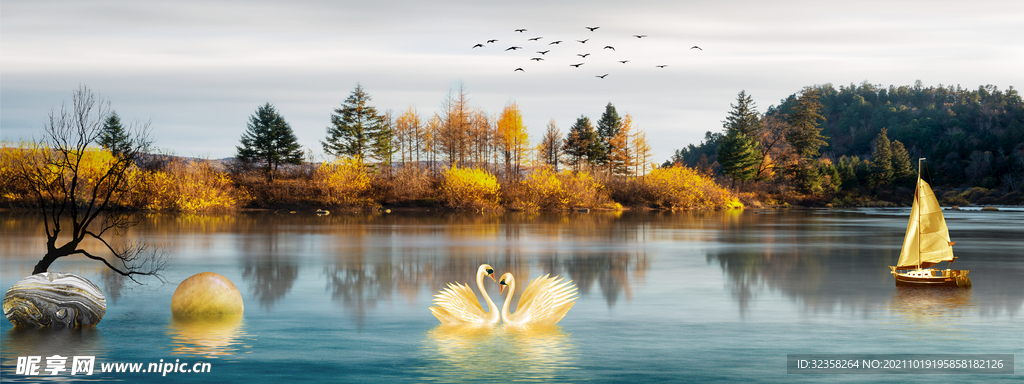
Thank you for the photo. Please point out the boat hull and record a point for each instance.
(932, 278)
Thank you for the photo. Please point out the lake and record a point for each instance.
(664, 297)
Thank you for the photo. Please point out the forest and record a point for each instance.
(870, 139)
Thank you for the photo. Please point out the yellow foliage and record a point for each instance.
(543, 189)
(464, 188)
(342, 182)
(682, 188)
(188, 186)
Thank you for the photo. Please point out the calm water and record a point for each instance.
(720, 296)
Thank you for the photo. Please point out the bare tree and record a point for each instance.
(87, 187)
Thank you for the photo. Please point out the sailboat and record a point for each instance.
(927, 244)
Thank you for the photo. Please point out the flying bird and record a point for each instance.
(537, 58)
(555, 42)
(520, 30)
(518, 69)
(623, 61)
(583, 41)
(602, 76)
(591, 28)
(492, 41)
(639, 36)
(478, 45)
(583, 55)
(513, 48)
(609, 47)
(661, 66)
(576, 65)
(696, 47)
(544, 52)
(534, 39)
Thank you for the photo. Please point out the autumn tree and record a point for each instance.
(621, 157)
(513, 139)
(354, 127)
(408, 134)
(453, 134)
(641, 152)
(550, 149)
(269, 141)
(81, 191)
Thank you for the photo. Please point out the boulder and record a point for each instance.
(53, 299)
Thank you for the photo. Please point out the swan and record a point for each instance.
(457, 304)
(545, 301)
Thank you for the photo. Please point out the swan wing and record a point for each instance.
(546, 300)
(458, 304)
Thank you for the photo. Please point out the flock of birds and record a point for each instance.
(545, 301)
(584, 50)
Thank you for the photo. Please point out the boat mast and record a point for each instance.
(917, 198)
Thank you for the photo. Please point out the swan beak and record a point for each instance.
(501, 289)
(492, 278)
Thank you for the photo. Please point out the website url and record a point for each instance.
(84, 365)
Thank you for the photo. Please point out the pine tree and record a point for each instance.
(902, 168)
(581, 144)
(354, 126)
(739, 156)
(113, 136)
(607, 128)
(805, 134)
(383, 144)
(881, 161)
(269, 141)
(743, 117)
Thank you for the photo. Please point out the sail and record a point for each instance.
(927, 234)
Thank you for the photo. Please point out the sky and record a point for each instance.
(196, 70)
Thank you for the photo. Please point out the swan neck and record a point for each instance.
(508, 299)
(492, 309)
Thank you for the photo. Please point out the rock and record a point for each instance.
(990, 209)
(206, 295)
(583, 210)
(955, 208)
(52, 299)
(322, 212)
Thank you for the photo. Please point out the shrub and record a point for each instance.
(680, 187)
(464, 188)
(188, 186)
(342, 182)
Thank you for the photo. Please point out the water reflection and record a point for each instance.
(83, 341)
(207, 338)
(932, 312)
(459, 354)
(270, 271)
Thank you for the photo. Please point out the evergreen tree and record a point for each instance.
(902, 168)
(805, 134)
(383, 146)
(881, 161)
(607, 128)
(581, 144)
(743, 117)
(354, 126)
(739, 155)
(269, 141)
(113, 136)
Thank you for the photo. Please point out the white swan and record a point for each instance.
(457, 304)
(545, 301)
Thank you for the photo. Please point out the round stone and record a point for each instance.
(53, 299)
(206, 295)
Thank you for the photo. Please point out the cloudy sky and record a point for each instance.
(198, 69)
